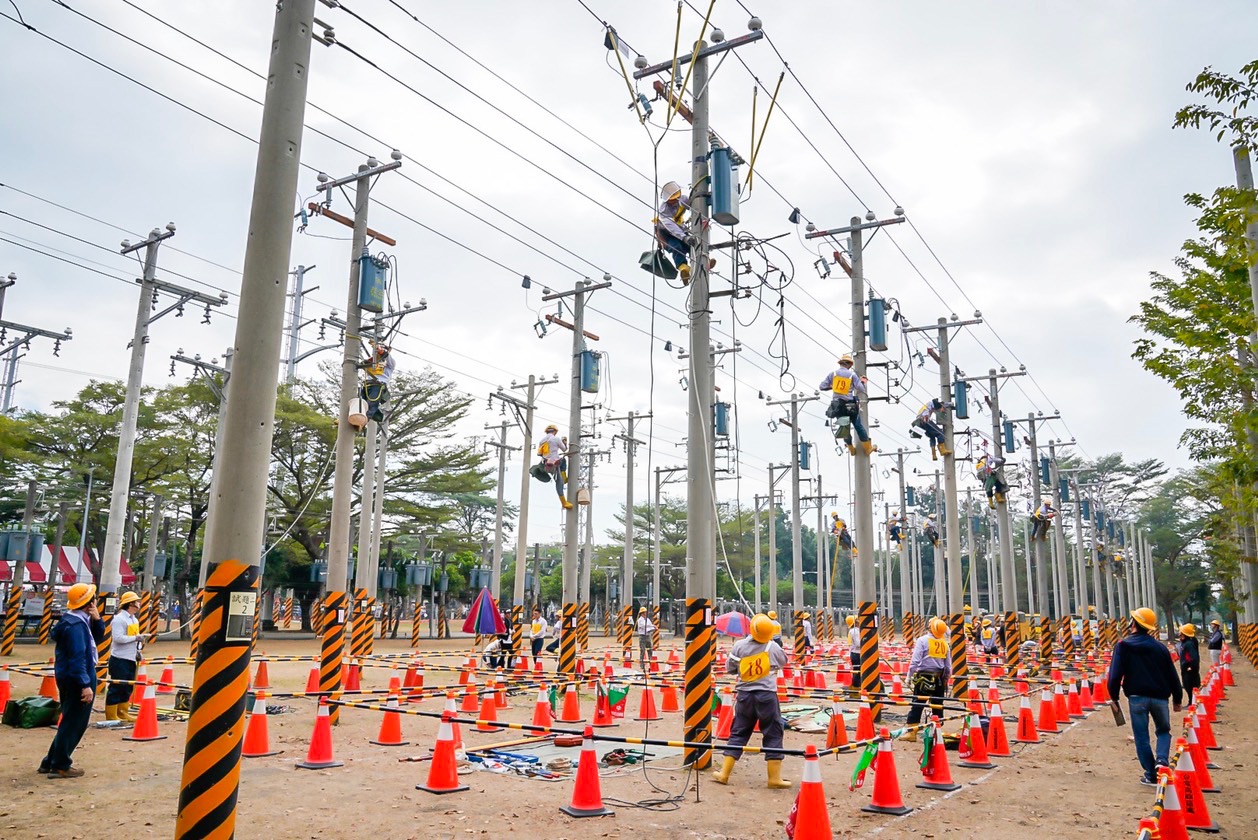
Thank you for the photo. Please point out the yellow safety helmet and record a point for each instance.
(987, 622)
(127, 598)
(553, 428)
(772, 614)
(670, 191)
(1189, 630)
(851, 621)
(847, 359)
(1145, 617)
(80, 595)
(803, 616)
(938, 628)
(1215, 623)
(834, 514)
(966, 608)
(642, 611)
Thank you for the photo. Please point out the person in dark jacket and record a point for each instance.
(76, 636)
(1215, 642)
(1189, 659)
(1142, 667)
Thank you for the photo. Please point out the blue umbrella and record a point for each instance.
(733, 624)
(483, 617)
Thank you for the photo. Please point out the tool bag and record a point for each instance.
(540, 472)
(31, 712)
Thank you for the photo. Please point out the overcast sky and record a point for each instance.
(1030, 145)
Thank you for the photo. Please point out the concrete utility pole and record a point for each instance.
(18, 337)
(295, 323)
(906, 588)
(773, 535)
(1245, 183)
(756, 549)
(335, 599)
(150, 550)
(571, 591)
(626, 568)
(1059, 535)
(13, 605)
(797, 549)
(211, 770)
(496, 564)
(150, 287)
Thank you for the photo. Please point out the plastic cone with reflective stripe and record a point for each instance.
(864, 721)
(997, 738)
(145, 728)
(646, 704)
(1074, 705)
(137, 690)
(470, 698)
(836, 734)
(257, 740)
(725, 718)
(488, 719)
(587, 796)
(1026, 733)
(937, 775)
(391, 726)
(973, 738)
(1228, 679)
(1187, 785)
(1085, 695)
(6, 690)
(886, 797)
(1048, 715)
(262, 679)
(602, 708)
(1101, 693)
(571, 706)
(443, 772)
(1200, 760)
(48, 685)
(668, 698)
(809, 818)
(1170, 824)
(417, 687)
(353, 676)
(166, 685)
(451, 707)
(1205, 732)
(312, 681)
(541, 711)
(319, 756)
(1060, 709)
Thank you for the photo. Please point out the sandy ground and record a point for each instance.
(1081, 783)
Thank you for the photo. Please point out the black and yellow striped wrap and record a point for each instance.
(1249, 642)
(1013, 641)
(960, 673)
(443, 623)
(624, 633)
(107, 604)
(870, 678)
(211, 764)
(1046, 641)
(607, 623)
(906, 627)
(196, 625)
(517, 633)
(700, 642)
(1067, 636)
(335, 612)
(798, 618)
(288, 612)
(568, 639)
(256, 633)
(1089, 643)
(45, 617)
(146, 609)
(655, 619)
(361, 625)
(583, 630)
(8, 631)
(419, 605)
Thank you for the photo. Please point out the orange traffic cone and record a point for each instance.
(1026, 733)
(587, 797)
(836, 734)
(488, 719)
(391, 726)
(1200, 761)
(997, 739)
(454, 725)
(137, 690)
(465, 672)
(1170, 825)
(167, 683)
(886, 798)
(725, 719)
(937, 775)
(809, 818)
(1101, 693)
(974, 746)
(319, 756)
(1074, 705)
(470, 697)
(443, 773)
(541, 711)
(897, 687)
(48, 685)
(571, 706)
(1085, 695)
(312, 682)
(145, 728)
(417, 683)
(864, 721)
(974, 700)
(1228, 679)
(1048, 715)
(6, 690)
(602, 708)
(353, 677)
(1205, 732)
(646, 705)
(257, 740)
(668, 697)
(1060, 710)
(1193, 801)
(263, 678)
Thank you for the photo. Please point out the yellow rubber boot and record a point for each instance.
(776, 782)
(944, 450)
(567, 505)
(111, 711)
(124, 712)
(727, 766)
(869, 446)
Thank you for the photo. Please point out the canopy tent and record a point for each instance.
(71, 568)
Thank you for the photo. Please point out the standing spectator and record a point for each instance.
(757, 660)
(810, 637)
(124, 654)
(537, 634)
(1215, 642)
(1189, 660)
(854, 645)
(646, 637)
(76, 636)
(930, 671)
(1142, 666)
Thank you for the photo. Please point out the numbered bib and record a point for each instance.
(536, 628)
(937, 649)
(753, 667)
(842, 385)
(987, 635)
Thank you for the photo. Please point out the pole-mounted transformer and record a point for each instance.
(1044, 472)
(724, 187)
(877, 324)
(1010, 441)
(373, 281)
(960, 394)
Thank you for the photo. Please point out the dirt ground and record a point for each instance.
(1081, 783)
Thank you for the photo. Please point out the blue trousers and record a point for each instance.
(837, 408)
(674, 247)
(75, 715)
(750, 708)
(1142, 708)
(933, 432)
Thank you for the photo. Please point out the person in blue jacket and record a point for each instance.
(76, 636)
(1142, 667)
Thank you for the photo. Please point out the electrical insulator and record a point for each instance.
(960, 392)
(724, 187)
(877, 324)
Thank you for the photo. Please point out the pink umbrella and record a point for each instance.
(733, 624)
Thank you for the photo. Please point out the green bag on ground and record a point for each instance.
(31, 712)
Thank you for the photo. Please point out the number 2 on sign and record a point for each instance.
(753, 667)
(937, 649)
